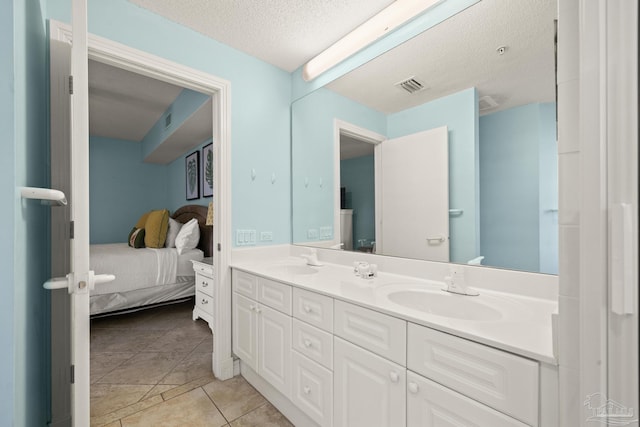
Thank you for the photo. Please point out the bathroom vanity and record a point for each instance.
(332, 349)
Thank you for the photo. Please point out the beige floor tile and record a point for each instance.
(134, 320)
(114, 424)
(103, 363)
(117, 341)
(234, 397)
(106, 398)
(159, 389)
(264, 416)
(143, 368)
(192, 409)
(126, 411)
(206, 346)
(176, 391)
(196, 365)
(183, 339)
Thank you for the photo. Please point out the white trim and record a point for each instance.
(340, 127)
(125, 57)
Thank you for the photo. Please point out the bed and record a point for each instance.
(147, 277)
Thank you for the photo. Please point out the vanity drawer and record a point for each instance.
(317, 345)
(315, 309)
(204, 302)
(501, 380)
(275, 294)
(382, 334)
(429, 403)
(312, 389)
(245, 284)
(204, 284)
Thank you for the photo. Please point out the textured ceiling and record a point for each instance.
(461, 53)
(285, 33)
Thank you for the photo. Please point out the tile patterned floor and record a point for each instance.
(153, 368)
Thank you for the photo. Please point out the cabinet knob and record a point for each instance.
(394, 376)
(413, 387)
(252, 307)
(306, 390)
(258, 310)
(204, 284)
(307, 308)
(204, 301)
(307, 343)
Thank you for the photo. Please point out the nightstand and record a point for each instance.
(204, 290)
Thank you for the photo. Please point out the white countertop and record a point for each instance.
(524, 327)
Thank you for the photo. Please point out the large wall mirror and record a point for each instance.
(443, 148)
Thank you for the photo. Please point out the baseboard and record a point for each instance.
(226, 369)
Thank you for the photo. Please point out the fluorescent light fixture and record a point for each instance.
(390, 18)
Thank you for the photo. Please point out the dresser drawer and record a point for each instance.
(315, 309)
(274, 294)
(430, 404)
(204, 302)
(377, 332)
(312, 390)
(207, 270)
(501, 380)
(314, 343)
(245, 284)
(204, 284)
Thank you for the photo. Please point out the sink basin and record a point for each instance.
(440, 303)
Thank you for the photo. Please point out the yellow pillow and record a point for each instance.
(155, 228)
(143, 220)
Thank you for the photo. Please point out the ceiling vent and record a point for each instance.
(411, 85)
(487, 102)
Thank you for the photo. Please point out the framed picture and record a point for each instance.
(207, 170)
(192, 175)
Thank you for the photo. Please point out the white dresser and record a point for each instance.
(203, 308)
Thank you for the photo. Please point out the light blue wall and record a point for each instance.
(515, 147)
(358, 176)
(260, 92)
(549, 245)
(25, 383)
(313, 132)
(122, 188)
(459, 113)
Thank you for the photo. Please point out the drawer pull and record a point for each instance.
(413, 388)
(258, 310)
(394, 377)
(308, 343)
(306, 390)
(307, 308)
(205, 284)
(252, 307)
(204, 301)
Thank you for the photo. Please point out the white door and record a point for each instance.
(245, 328)
(368, 390)
(413, 220)
(274, 348)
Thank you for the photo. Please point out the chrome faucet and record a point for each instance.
(312, 257)
(456, 283)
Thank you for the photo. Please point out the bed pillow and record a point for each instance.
(172, 233)
(136, 238)
(143, 220)
(188, 237)
(156, 228)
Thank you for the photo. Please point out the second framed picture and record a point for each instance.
(207, 170)
(192, 175)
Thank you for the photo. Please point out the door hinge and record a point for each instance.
(219, 247)
(73, 374)
(71, 229)
(71, 85)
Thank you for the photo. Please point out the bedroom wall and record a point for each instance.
(122, 188)
(261, 94)
(24, 230)
(177, 182)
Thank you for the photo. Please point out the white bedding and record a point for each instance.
(139, 268)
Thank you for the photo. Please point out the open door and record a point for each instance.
(70, 226)
(414, 207)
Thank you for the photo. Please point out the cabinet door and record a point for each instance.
(274, 348)
(429, 405)
(368, 390)
(245, 329)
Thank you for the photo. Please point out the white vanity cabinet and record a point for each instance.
(261, 334)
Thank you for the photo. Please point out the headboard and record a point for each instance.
(188, 212)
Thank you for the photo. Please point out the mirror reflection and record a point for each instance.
(443, 148)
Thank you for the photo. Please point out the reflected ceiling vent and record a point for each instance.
(486, 103)
(411, 85)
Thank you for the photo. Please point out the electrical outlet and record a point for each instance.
(312, 233)
(245, 237)
(266, 236)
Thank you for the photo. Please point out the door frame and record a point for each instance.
(341, 127)
(112, 53)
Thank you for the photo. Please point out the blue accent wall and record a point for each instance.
(260, 112)
(24, 245)
(357, 175)
(313, 155)
(518, 175)
(459, 113)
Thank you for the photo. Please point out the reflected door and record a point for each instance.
(414, 207)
